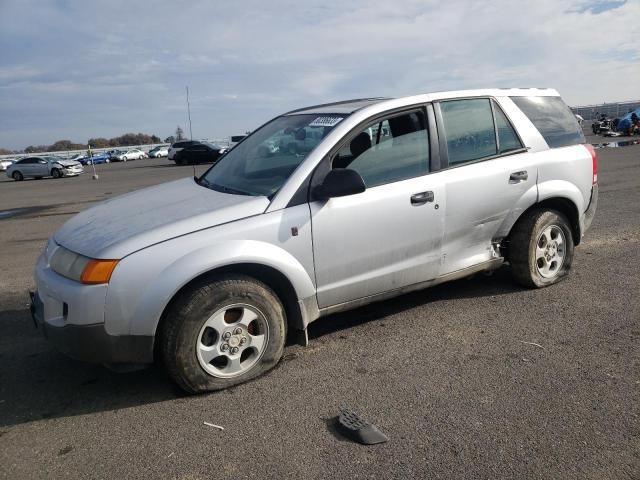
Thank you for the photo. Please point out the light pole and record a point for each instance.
(189, 113)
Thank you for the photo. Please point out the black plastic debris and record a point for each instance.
(357, 429)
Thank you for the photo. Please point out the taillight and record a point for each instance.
(594, 161)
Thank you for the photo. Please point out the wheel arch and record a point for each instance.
(270, 276)
(560, 204)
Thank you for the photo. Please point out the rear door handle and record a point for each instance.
(421, 198)
(517, 177)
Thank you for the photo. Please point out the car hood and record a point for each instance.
(68, 163)
(131, 222)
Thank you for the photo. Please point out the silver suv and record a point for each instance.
(320, 210)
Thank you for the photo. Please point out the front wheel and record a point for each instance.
(56, 173)
(541, 248)
(223, 332)
(17, 176)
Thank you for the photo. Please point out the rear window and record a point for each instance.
(553, 119)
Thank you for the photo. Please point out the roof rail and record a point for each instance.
(333, 104)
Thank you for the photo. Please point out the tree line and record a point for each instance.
(125, 140)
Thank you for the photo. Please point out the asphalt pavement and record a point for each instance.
(478, 378)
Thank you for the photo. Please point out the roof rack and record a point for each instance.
(333, 104)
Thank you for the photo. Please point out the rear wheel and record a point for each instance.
(17, 176)
(56, 173)
(541, 248)
(223, 332)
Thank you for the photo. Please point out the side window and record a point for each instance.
(469, 131)
(507, 138)
(553, 119)
(388, 150)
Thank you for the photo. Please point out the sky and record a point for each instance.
(81, 69)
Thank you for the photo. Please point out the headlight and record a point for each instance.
(80, 268)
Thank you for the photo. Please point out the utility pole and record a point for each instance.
(189, 113)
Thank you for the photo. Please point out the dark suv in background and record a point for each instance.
(194, 152)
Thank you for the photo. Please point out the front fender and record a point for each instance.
(143, 284)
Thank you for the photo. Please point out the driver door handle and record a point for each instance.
(422, 198)
(517, 177)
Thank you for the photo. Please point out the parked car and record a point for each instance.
(113, 153)
(133, 154)
(198, 152)
(78, 157)
(5, 163)
(394, 196)
(158, 152)
(96, 159)
(179, 145)
(38, 167)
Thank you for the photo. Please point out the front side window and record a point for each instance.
(388, 150)
(263, 162)
(469, 130)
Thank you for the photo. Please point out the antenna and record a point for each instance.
(189, 113)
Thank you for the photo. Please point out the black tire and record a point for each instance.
(524, 240)
(56, 173)
(17, 176)
(182, 324)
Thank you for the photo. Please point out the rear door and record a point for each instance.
(388, 236)
(490, 178)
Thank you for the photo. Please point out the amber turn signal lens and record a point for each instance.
(98, 271)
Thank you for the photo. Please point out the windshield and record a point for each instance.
(264, 161)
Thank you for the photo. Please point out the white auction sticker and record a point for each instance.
(326, 122)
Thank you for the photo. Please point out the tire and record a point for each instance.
(541, 248)
(205, 324)
(56, 173)
(17, 176)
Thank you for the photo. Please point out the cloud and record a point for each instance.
(100, 68)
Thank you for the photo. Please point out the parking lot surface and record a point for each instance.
(473, 379)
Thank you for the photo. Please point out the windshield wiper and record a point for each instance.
(225, 189)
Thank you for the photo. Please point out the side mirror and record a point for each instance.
(340, 182)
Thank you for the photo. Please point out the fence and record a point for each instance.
(611, 110)
(224, 142)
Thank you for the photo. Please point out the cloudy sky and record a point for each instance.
(80, 69)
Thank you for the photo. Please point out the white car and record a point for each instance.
(133, 154)
(43, 166)
(158, 152)
(5, 163)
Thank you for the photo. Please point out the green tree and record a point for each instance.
(170, 139)
(99, 142)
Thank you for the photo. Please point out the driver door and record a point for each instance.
(390, 235)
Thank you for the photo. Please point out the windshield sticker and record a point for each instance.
(326, 122)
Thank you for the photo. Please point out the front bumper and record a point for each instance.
(71, 316)
(91, 343)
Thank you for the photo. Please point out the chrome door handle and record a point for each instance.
(421, 198)
(517, 177)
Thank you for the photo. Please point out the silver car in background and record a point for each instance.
(320, 210)
(46, 166)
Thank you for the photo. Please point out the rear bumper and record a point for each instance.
(587, 218)
(91, 343)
